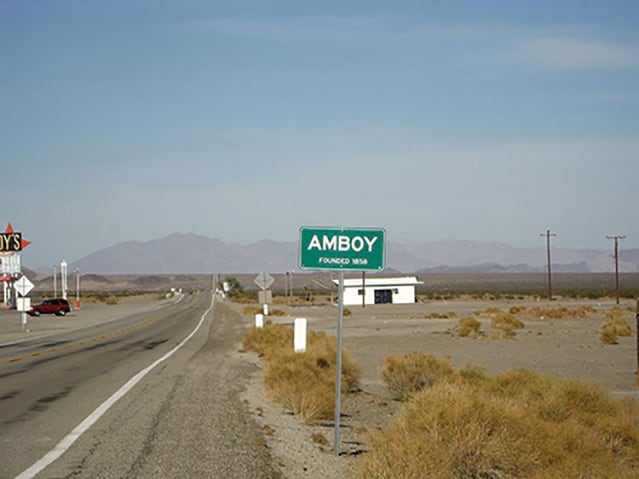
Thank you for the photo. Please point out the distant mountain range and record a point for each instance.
(194, 254)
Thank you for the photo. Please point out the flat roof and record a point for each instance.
(390, 282)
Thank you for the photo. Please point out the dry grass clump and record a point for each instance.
(268, 339)
(517, 309)
(616, 325)
(449, 315)
(406, 375)
(516, 425)
(252, 310)
(304, 383)
(469, 327)
(561, 312)
(505, 325)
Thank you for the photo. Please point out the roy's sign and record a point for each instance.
(10, 242)
(358, 249)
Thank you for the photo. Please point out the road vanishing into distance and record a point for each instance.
(172, 378)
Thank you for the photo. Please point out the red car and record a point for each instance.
(59, 307)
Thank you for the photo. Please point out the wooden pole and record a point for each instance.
(637, 328)
(548, 234)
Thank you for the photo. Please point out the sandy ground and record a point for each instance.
(556, 347)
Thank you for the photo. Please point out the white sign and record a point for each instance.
(23, 286)
(10, 263)
(263, 280)
(23, 304)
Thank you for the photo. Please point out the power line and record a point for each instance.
(616, 238)
(548, 234)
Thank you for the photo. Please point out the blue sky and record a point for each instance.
(487, 121)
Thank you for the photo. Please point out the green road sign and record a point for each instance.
(358, 249)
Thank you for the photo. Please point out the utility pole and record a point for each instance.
(55, 282)
(616, 238)
(548, 234)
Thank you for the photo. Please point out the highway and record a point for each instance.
(180, 418)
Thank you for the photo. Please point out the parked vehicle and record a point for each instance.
(59, 307)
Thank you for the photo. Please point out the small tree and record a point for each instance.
(235, 287)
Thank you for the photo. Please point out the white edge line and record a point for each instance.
(81, 428)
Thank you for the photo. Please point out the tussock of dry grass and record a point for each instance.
(561, 312)
(616, 325)
(271, 337)
(469, 327)
(506, 320)
(406, 375)
(504, 325)
(304, 383)
(515, 425)
(252, 310)
(449, 315)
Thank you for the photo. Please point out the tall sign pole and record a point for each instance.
(363, 289)
(548, 234)
(616, 238)
(55, 281)
(63, 278)
(340, 249)
(11, 245)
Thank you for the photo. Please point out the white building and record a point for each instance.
(380, 290)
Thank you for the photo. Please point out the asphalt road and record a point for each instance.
(183, 419)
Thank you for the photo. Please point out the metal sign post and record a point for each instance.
(338, 373)
(339, 249)
(23, 286)
(264, 280)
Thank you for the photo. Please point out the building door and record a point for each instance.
(383, 296)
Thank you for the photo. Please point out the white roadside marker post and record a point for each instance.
(259, 321)
(299, 341)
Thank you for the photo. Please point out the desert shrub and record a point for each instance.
(302, 382)
(615, 325)
(503, 427)
(305, 382)
(111, 300)
(449, 315)
(472, 373)
(504, 325)
(615, 317)
(469, 327)
(608, 334)
(406, 375)
(252, 310)
(561, 312)
(268, 339)
(506, 320)
(517, 309)
(346, 312)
